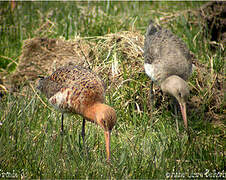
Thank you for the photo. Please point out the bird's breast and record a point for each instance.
(78, 97)
(149, 70)
(62, 99)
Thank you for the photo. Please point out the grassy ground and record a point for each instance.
(144, 144)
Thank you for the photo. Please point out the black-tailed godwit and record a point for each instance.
(74, 89)
(168, 62)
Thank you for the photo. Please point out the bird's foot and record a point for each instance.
(61, 143)
(62, 132)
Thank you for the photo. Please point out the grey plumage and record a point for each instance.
(166, 53)
(168, 62)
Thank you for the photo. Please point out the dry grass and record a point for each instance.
(41, 56)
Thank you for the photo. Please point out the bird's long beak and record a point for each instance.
(107, 135)
(184, 114)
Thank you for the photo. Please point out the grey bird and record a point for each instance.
(168, 62)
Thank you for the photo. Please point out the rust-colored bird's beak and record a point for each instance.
(13, 5)
(107, 135)
(184, 114)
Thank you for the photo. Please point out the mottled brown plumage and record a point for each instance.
(168, 62)
(75, 89)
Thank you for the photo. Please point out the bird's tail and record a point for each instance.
(152, 28)
(41, 77)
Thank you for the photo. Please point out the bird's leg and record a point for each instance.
(83, 130)
(83, 135)
(62, 124)
(151, 95)
(176, 115)
(175, 105)
(62, 132)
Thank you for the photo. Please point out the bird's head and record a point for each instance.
(177, 87)
(152, 28)
(106, 117)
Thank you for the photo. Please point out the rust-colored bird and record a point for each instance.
(168, 62)
(75, 89)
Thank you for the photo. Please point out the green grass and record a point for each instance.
(144, 144)
(141, 147)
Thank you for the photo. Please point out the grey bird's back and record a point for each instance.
(165, 54)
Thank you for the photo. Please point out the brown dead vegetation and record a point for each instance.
(213, 14)
(41, 56)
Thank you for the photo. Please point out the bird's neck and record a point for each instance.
(91, 112)
(101, 114)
